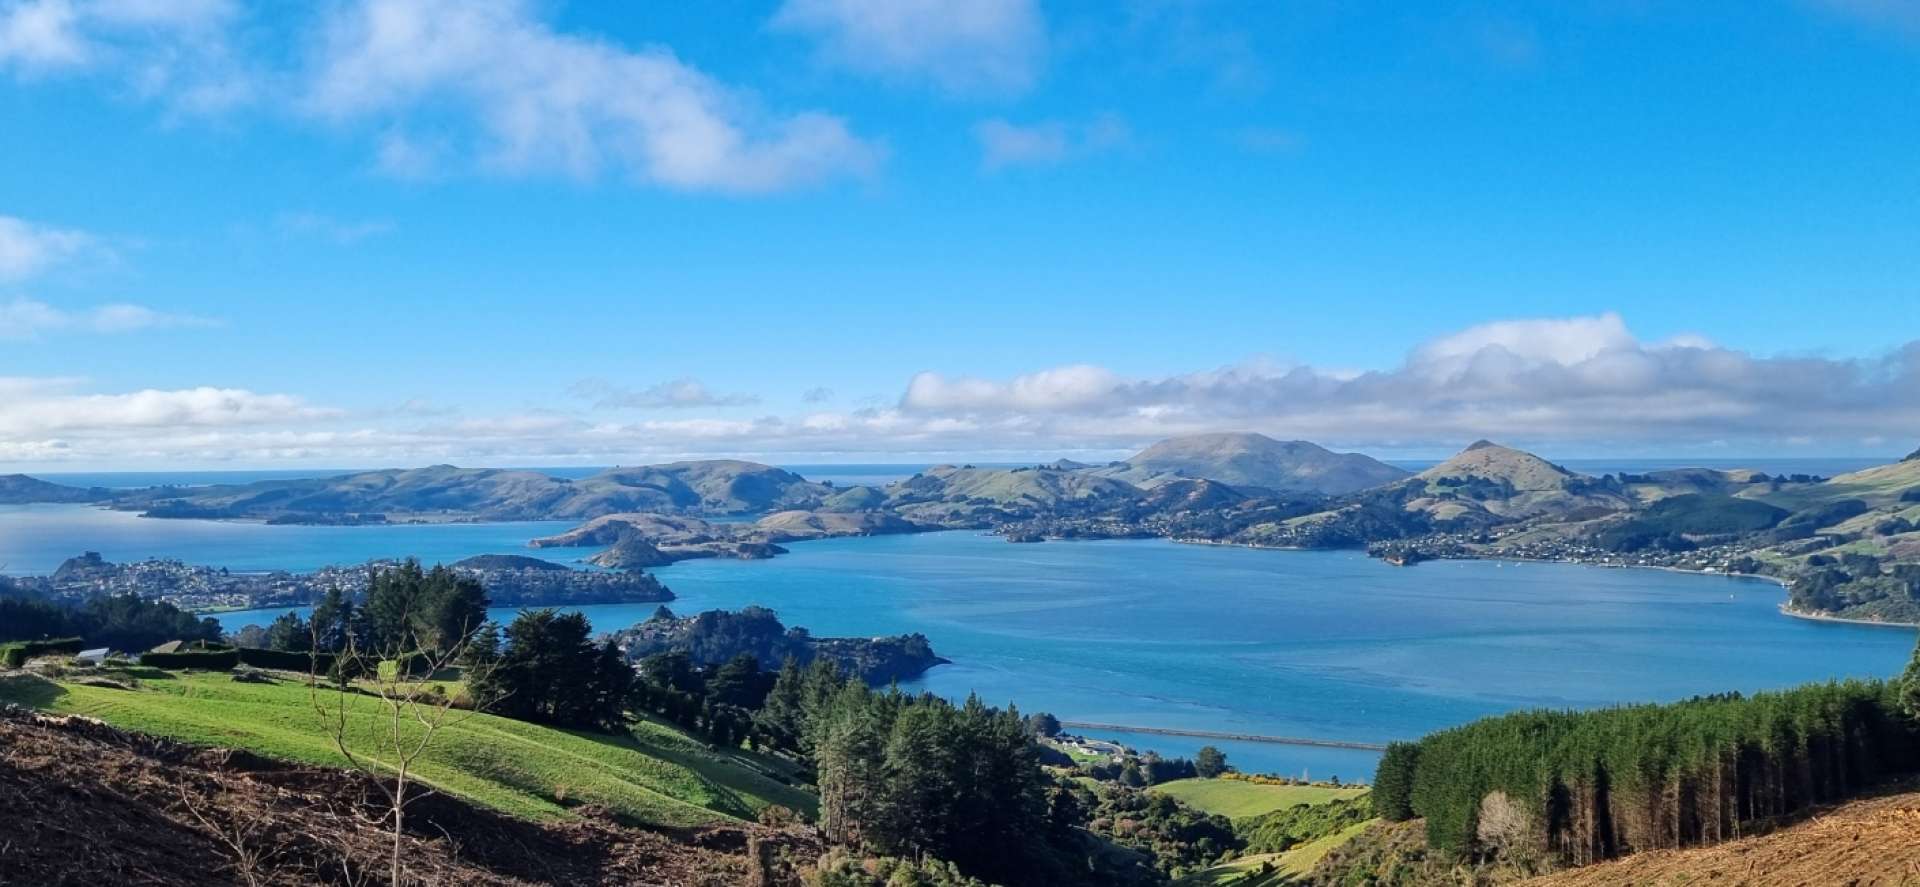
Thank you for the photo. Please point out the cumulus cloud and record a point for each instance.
(681, 393)
(1069, 388)
(175, 50)
(1045, 143)
(1585, 382)
(1573, 379)
(541, 100)
(35, 407)
(27, 249)
(28, 319)
(445, 86)
(961, 46)
(42, 34)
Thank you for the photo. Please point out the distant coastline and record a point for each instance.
(1822, 617)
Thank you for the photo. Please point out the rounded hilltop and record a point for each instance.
(1249, 460)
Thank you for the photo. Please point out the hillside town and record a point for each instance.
(510, 581)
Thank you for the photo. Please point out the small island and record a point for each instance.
(717, 636)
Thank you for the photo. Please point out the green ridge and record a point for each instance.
(656, 776)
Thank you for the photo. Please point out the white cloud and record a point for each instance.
(962, 46)
(681, 393)
(40, 34)
(445, 86)
(174, 50)
(1583, 378)
(1004, 144)
(1584, 381)
(29, 318)
(541, 100)
(406, 157)
(27, 249)
(1565, 341)
(1066, 388)
(31, 408)
(1173, 34)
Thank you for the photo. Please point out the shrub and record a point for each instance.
(16, 654)
(1283, 830)
(281, 660)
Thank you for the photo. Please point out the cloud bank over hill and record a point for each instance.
(1581, 382)
(1582, 378)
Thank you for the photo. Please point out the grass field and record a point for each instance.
(1877, 486)
(1247, 871)
(656, 776)
(1235, 799)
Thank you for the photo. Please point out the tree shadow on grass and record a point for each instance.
(144, 673)
(736, 773)
(30, 690)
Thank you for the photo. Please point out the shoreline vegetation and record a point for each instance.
(1786, 607)
(1788, 610)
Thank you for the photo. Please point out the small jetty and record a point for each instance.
(1233, 737)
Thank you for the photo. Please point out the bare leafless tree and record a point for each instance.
(382, 705)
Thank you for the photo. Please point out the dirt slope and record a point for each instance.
(1868, 842)
(86, 804)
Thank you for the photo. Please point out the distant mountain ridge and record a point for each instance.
(449, 492)
(19, 489)
(1254, 462)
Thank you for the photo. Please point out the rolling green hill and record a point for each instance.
(444, 491)
(1877, 486)
(19, 489)
(1254, 461)
(657, 776)
(1694, 514)
(1272, 869)
(1238, 799)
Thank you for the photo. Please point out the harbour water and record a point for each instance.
(1329, 645)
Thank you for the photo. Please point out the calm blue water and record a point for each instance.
(841, 474)
(36, 538)
(1316, 644)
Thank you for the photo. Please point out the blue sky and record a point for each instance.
(373, 233)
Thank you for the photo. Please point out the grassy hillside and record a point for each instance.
(1877, 486)
(1236, 799)
(439, 491)
(657, 776)
(1254, 461)
(1272, 869)
(1486, 460)
(105, 807)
